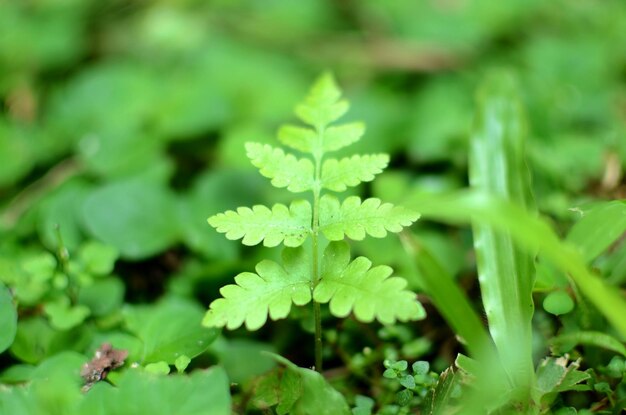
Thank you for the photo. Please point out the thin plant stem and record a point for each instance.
(317, 315)
(316, 306)
(64, 260)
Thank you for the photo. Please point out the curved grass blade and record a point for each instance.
(531, 233)
(590, 338)
(505, 272)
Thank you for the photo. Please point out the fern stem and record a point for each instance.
(317, 315)
(315, 280)
(318, 336)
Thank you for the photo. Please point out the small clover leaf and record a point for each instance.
(181, 363)
(63, 316)
(421, 367)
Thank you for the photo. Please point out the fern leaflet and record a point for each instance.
(342, 135)
(337, 175)
(270, 291)
(284, 170)
(355, 219)
(291, 225)
(368, 292)
(323, 105)
(299, 138)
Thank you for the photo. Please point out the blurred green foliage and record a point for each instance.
(122, 123)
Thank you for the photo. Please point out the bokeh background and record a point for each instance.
(124, 121)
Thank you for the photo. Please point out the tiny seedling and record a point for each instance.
(316, 265)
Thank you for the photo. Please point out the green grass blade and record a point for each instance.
(448, 298)
(530, 232)
(506, 273)
(599, 227)
(491, 382)
(590, 338)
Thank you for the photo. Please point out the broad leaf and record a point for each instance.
(169, 329)
(243, 358)
(557, 374)
(291, 225)
(138, 392)
(305, 392)
(133, 215)
(355, 219)
(369, 292)
(283, 169)
(103, 296)
(299, 138)
(343, 135)
(271, 290)
(323, 105)
(337, 175)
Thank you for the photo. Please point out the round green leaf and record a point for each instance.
(98, 258)
(558, 302)
(137, 392)
(158, 368)
(103, 296)
(137, 216)
(243, 359)
(63, 316)
(169, 330)
(421, 367)
(181, 363)
(16, 155)
(62, 209)
(408, 381)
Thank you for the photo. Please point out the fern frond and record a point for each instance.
(355, 219)
(299, 138)
(337, 175)
(368, 292)
(323, 105)
(270, 291)
(284, 170)
(291, 225)
(343, 135)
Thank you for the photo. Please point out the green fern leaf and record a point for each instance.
(299, 138)
(337, 175)
(291, 225)
(368, 292)
(283, 169)
(355, 219)
(343, 135)
(323, 105)
(270, 291)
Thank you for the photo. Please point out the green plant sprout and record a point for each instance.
(305, 275)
